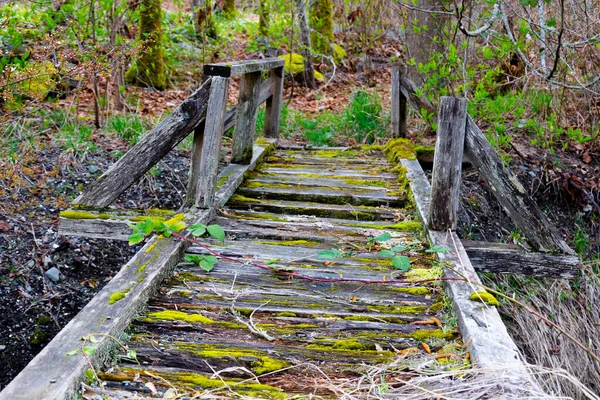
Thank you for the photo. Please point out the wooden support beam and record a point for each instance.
(207, 164)
(194, 175)
(447, 164)
(150, 149)
(398, 104)
(245, 119)
(409, 90)
(274, 103)
(236, 68)
(504, 258)
(511, 194)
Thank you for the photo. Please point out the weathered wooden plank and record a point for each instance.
(368, 185)
(245, 119)
(52, 374)
(361, 213)
(274, 103)
(447, 164)
(150, 149)
(266, 89)
(211, 146)
(482, 329)
(409, 89)
(229, 69)
(324, 195)
(398, 105)
(511, 194)
(512, 259)
(346, 173)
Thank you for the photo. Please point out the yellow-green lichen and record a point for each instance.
(397, 149)
(172, 315)
(118, 296)
(222, 180)
(286, 314)
(424, 274)
(417, 291)
(424, 151)
(306, 243)
(351, 345)
(484, 297)
(151, 247)
(374, 182)
(403, 226)
(72, 214)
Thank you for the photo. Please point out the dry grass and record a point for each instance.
(573, 305)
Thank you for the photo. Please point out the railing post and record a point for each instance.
(245, 124)
(273, 104)
(398, 104)
(207, 147)
(447, 163)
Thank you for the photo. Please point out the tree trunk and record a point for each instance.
(204, 20)
(263, 18)
(423, 28)
(149, 68)
(309, 69)
(229, 8)
(321, 19)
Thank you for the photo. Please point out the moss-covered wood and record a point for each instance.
(148, 69)
(264, 17)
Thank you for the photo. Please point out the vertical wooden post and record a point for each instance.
(398, 104)
(447, 163)
(211, 144)
(245, 118)
(192, 187)
(273, 104)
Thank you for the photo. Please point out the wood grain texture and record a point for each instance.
(447, 164)
(511, 194)
(245, 119)
(237, 68)
(150, 149)
(512, 259)
(211, 146)
(398, 104)
(194, 174)
(274, 103)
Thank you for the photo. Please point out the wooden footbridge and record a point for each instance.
(305, 295)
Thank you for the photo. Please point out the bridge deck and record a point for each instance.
(321, 333)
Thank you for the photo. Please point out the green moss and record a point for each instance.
(242, 199)
(172, 315)
(424, 151)
(338, 53)
(427, 334)
(118, 296)
(72, 214)
(374, 182)
(151, 247)
(417, 291)
(371, 147)
(259, 216)
(484, 297)
(404, 226)
(262, 365)
(259, 185)
(397, 149)
(421, 274)
(39, 337)
(321, 21)
(293, 63)
(222, 180)
(399, 309)
(142, 267)
(351, 345)
(43, 320)
(286, 314)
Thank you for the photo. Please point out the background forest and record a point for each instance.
(82, 81)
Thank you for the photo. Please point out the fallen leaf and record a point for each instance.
(152, 388)
(4, 226)
(587, 158)
(426, 347)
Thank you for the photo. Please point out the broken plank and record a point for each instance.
(511, 194)
(512, 259)
(236, 68)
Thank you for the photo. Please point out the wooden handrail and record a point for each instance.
(205, 115)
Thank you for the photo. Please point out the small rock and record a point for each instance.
(30, 264)
(53, 274)
(93, 169)
(532, 174)
(47, 261)
(2, 347)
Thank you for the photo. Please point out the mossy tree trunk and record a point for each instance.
(263, 18)
(229, 8)
(149, 68)
(321, 20)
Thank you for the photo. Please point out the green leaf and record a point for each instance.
(73, 352)
(132, 354)
(386, 253)
(147, 226)
(438, 249)
(167, 233)
(89, 351)
(206, 265)
(92, 339)
(384, 237)
(398, 249)
(217, 232)
(197, 229)
(330, 254)
(176, 226)
(90, 375)
(273, 261)
(401, 262)
(136, 238)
